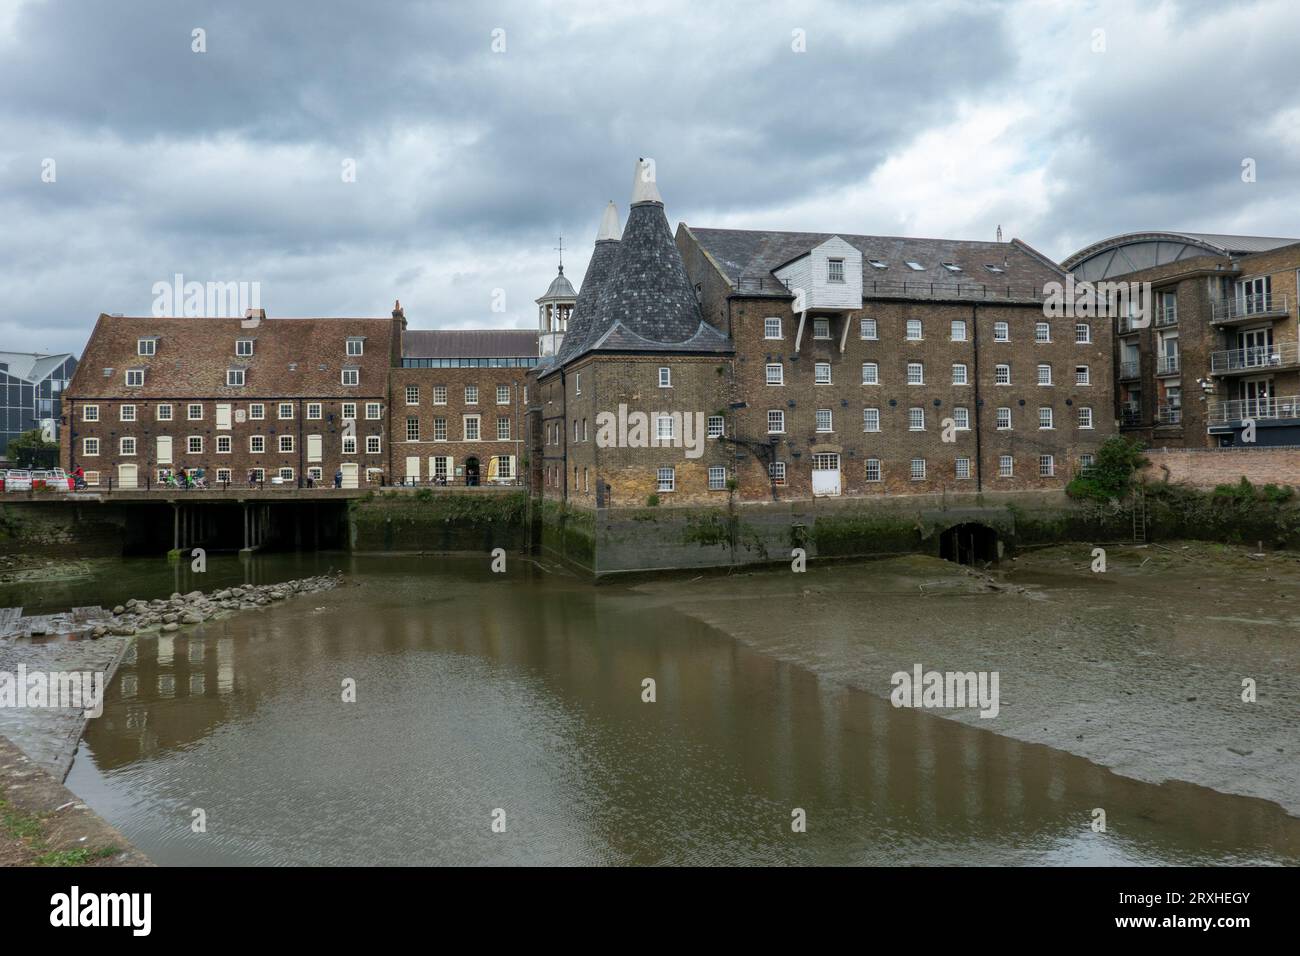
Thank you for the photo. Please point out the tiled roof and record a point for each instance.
(474, 343)
(290, 357)
(747, 259)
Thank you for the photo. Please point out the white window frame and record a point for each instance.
(915, 373)
(821, 373)
(1050, 418)
(916, 414)
(350, 376)
(666, 479)
(960, 373)
(1001, 332)
(257, 444)
(914, 473)
(1002, 375)
(1085, 416)
(665, 376)
(776, 367)
(243, 348)
(914, 325)
(869, 330)
(776, 415)
(768, 327)
(867, 469)
(90, 413)
(374, 445)
(870, 418)
(825, 420)
(1006, 466)
(717, 478)
(871, 369)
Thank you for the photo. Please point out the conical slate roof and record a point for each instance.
(581, 319)
(648, 297)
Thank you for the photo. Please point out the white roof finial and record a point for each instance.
(609, 227)
(644, 188)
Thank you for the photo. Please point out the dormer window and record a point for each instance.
(878, 263)
(915, 266)
(135, 377)
(148, 345)
(234, 376)
(356, 346)
(243, 347)
(835, 270)
(351, 376)
(951, 266)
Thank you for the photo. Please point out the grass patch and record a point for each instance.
(23, 842)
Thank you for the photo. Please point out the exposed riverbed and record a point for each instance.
(522, 692)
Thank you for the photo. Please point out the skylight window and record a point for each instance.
(997, 269)
(915, 266)
(952, 266)
(879, 263)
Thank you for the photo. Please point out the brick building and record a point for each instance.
(286, 399)
(788, 365)
(1219, 345)
(458, 406)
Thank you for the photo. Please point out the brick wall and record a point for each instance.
(1211, 467)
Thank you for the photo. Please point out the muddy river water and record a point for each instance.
(517, 698)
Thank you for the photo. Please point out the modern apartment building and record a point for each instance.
(31, 394)
(1217, 347)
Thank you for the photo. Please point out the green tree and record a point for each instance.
(1112, 474)
(29, 449)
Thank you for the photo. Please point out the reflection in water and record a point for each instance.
(476, 692)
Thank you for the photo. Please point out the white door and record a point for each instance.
(412, 470)
(164, 449)
(826, 476)
(126, 479)
(350, 474)
(223, 417)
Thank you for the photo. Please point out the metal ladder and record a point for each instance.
(1139, 516)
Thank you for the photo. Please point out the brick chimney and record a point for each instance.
(399, 313)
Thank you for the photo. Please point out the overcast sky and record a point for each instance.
(915, 118)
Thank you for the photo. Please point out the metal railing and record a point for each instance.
(1128, 370)
(1166, 316)
(1130, 413)
(1222, 413)
(1241, 307)
(109, 485)
(1169, 414)
(1167, 365)
(1255, 357)
(905, 287)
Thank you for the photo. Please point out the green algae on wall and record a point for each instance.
(438, 522)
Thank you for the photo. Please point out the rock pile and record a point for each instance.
(182, 610)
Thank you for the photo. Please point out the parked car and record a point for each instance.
(18, 479)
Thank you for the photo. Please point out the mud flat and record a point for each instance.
(1139, 669)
